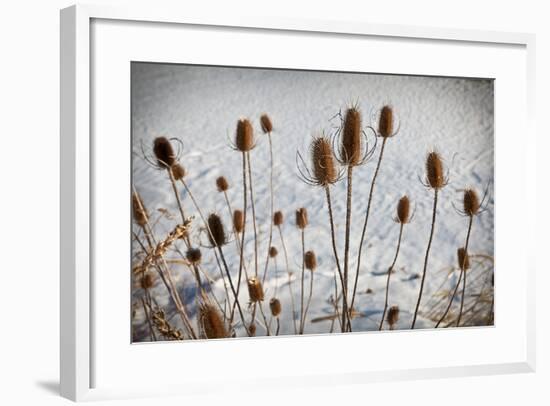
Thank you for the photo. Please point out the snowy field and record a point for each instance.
(201, 106)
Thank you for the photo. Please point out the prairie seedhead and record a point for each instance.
(310, 260)
(393, 316)
(436, 178)
(267, 126)
(238, 221)
(222, 184)
(404, 211)
(301, 218)
(164, 153)
(147, 281)
(471, 205)
(164, 327)
(216, 236)
(244, 136)
(463, 259)
(386, 122)
(252, 329)
(273, 252)
(278, 218)
(275, 307)
(255, 290)
(353, 142)
(323, 171)
(178, 171)
(194, 255)
(211, 321)
(140, 213)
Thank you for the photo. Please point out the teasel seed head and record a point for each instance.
(273, 252)
(471, 202)
(403, 210)
(278, 218)
(385, 122)
(252, 329)
(255, 290)
(393, 316)
(275, 307)
(265, 121)
(164, 152)
(217, 232)
(301, 218)
(221, 184)
(211, 321)
(434, 171)
(178, 171)
(463, 259)
(310, 260)
(140, 213)
(193, 255)
(324, 167)
(244, 139)
(238, 221)
(147, 280)
(350, 150)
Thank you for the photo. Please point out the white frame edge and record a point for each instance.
(75, 226)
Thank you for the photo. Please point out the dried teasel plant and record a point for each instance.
(302, 222)
(273, 252)
(194, 255)
(393, 316)
(402, 217)
(238, 221)
(222, 184)
(276, 308)
(436, 179)
(140, 213)
(386, 129)
(310, 261)
(211, 321)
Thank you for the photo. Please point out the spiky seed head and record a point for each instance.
(265, 121)
(434, 171)
(350, 149)
(140, 213)
(178, 171)
(471, 202)
(278, 218)
(273, 252)
(385, 123)
(147, 281)
(193, 255)
(403, 210)
(310, 260)
(217, 232)
(244, 139)
(301, 218)
(463, 259)
(252, 329)
(211, 321)
(164, 152)
(238, 221)
(275, 306)
(255, 290)
(221, 184)
(324, 168)
(393, 315)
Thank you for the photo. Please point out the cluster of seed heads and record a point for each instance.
(164, 327)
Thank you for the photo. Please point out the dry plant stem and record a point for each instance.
(232, 288)
(278, 327)
(271, 205)
(293, 305)
(241, 254)
(434, 214)
(450, 301)
(151, 330)
(390, 271)
(301, 331)
(178, 200)
(265, 319)
(464, 279)
(237, 239)
(345, 311)
(363, 233)
(308, 301)
(252, 205)
(335, 251)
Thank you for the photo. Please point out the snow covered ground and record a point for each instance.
(201, 106)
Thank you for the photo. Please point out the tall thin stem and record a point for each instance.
(363, 233)
(293, 304)
(462, 273)
(302, 282)
(345, 287)
(271, 205)
(253, 214)
(343, 324)
(434, 214)
(308, 300)
(390, 271)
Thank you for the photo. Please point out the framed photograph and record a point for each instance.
(303, 201)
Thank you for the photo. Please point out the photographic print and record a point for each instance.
(270, 202)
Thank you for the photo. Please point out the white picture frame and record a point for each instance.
(78, 349)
